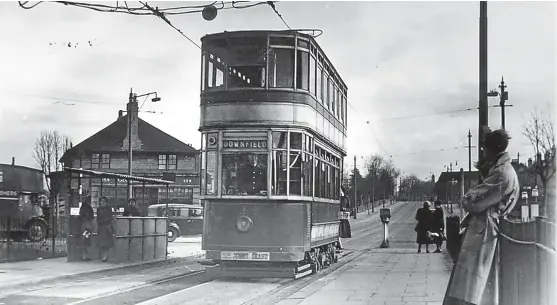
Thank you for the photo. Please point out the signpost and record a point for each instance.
(385, 215)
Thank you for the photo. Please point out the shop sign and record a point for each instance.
(244, 144)
(8, 193)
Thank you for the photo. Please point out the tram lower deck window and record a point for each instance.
(244, 174)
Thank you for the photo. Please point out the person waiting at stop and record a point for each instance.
(131, 209)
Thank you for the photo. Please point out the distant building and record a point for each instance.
(155, 155)
(444, 187)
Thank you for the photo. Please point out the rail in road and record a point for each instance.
(187, 284)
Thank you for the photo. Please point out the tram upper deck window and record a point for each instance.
(244, 174)
(281, 68)
(243, 59)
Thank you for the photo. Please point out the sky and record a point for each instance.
(401, 61)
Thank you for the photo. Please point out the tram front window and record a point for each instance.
(244, 174)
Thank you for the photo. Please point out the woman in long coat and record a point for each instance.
(86, 216)
(344, 227)
(424, 216)
(105, 221)
(474, 277)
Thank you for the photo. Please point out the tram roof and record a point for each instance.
(100, 174)
(227, 34)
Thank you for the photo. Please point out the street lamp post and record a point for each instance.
(133, 99)
(503, 97)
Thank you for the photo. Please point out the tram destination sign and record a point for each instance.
(244, 144)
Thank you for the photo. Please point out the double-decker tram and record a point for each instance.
(273, 124)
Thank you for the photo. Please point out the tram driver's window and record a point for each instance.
(244, 174)
(211, 178)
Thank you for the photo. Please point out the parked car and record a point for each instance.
(185, 219)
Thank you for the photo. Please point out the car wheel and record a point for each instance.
(37, 230)
(172, 234)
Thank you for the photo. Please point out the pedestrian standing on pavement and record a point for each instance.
(424, 217)
(105, 221)
(86, 216)
(438, 225)
(131, 209)
(474, 279)
(344, 227)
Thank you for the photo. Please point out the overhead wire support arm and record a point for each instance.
(161, 15)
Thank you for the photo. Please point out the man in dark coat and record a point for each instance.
(253, 177)
(438, 225)
(423, 216)
(105, 221)
(131, 209)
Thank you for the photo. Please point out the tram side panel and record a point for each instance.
(325, 223)
(239, 230)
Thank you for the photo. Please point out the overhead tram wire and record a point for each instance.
(163, 17)
(372, 134)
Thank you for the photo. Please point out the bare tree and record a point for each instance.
(541, 133)
(49, 148)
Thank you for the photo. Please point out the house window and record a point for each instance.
(95, 161)
(105, 161)
(172, 162)
(162, 161)
(168, 162)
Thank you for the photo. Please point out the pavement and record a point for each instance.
(393, 276)
(42, 270)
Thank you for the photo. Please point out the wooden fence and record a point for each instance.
(527, 262)
(528, 258)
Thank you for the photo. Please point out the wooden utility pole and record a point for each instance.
(355, 191)
(483, 106)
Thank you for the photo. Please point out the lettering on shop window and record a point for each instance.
(244, 144)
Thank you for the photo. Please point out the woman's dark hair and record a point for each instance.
(105, 198)
(426, 204)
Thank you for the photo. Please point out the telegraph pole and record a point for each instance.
(355, 191)
(469, 157)
(132, 99)
(483, 106)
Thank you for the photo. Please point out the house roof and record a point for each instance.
(448, 176)
(111, 137)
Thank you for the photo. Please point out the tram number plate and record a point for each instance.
(245, 256)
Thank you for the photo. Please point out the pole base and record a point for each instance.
(385, 244)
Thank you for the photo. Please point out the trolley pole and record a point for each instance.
(355, 191)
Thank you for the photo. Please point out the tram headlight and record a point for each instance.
(244, 223)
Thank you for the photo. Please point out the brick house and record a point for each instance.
(155, 155)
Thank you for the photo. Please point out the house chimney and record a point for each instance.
(132, 112)
(13, 161)
(120, 114)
